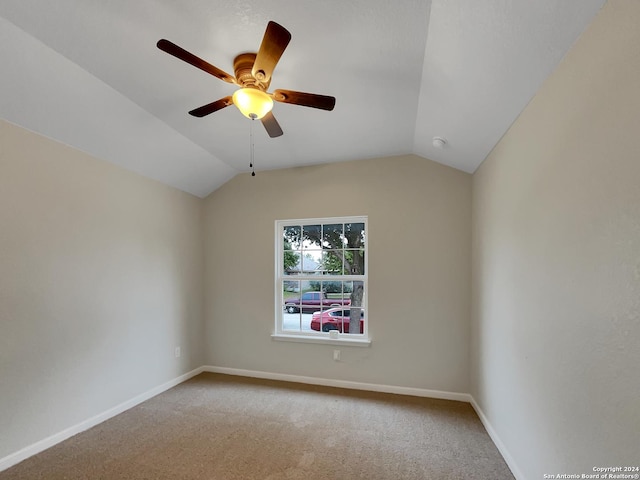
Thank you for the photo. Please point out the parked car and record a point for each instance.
(311, 301)
(334, 319)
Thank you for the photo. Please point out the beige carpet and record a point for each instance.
(220, 427)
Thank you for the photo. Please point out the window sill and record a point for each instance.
(356, 342)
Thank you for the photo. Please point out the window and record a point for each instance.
(321, 279)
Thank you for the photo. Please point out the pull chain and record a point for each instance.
(252, 148)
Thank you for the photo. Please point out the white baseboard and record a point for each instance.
(517, 473)
(372, 387)
(49, 442)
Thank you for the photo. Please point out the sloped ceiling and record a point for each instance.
(88, 73)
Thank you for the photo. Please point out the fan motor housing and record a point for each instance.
(243, 66)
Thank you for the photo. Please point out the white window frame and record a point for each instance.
(318, 337)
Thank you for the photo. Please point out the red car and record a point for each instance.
(334, 319)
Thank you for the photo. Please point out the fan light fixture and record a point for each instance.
(253, 103)
(253, 74)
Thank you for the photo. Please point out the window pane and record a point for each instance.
(354, 235)
(311, 301)
(333, 289)
(311, 263)
(292, 236)
(332, 237)
(290, 288)
(291, 262)
(332, 263)
(358, 326)
(357, 293)
(290, 294)
(312, 235)
(336, 295)
(291, 247)
(296, 316)
(356, 297)
(292, 321)
(354, 262)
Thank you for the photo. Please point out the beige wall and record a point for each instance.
(419, 270)
(556, 263)
(100, 278)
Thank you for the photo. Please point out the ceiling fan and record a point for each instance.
(253, 74)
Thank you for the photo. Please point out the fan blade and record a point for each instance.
(182, 54)
(271, 125)
(313, 100)
(211, 107)
(275, 40)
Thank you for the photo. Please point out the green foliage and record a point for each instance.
(332, 263)
(330, 287)
(290, 257)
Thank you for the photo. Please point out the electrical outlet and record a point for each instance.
(177, 352)
(336, 355)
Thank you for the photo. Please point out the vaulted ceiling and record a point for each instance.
(88, 73)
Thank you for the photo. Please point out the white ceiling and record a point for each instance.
(88, 73)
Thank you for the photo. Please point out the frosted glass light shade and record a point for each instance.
(253, 103)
